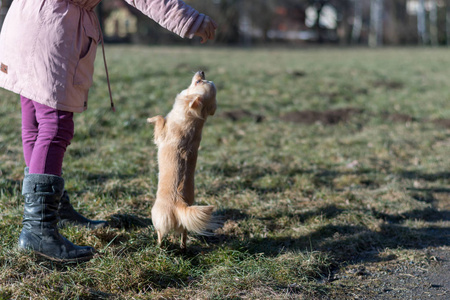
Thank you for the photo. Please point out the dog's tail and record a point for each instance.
(198, 219)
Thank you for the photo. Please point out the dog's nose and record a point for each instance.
(202, 74)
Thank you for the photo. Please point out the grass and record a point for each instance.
(303, 203)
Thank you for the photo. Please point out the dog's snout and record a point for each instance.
(202, 74)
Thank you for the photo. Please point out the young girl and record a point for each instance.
(47, 53)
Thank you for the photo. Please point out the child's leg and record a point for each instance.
(29, 128)
(55, 131)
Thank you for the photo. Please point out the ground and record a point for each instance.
(329, 168)
(386, 278)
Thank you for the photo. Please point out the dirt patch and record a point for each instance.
(297, 73)
(442, 122)
(405, 118)
(329, 117)
(389, 84)
(236, 115)
(398, 117)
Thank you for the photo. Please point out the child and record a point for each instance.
(47, 53)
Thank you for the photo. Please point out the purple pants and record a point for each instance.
(46, 133)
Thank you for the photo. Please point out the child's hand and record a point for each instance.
(207, 30)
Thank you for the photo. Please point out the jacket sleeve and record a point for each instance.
(174, 15)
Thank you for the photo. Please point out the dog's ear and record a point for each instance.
(195, 101)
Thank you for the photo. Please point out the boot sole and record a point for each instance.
(59, 260)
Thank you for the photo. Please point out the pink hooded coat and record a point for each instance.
(48, 47)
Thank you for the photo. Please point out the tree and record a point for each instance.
(421, 23)
(318, 5)
(434, 24)
(447, 21)
(357, 21)
(376, 23)
(344, 14)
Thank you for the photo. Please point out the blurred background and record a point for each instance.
(292, 22)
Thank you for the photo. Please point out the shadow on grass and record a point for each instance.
(426, 176)
(365, 245)
(345, 243)
(428, 214)
(326, 212)
(128, 221)
(354, 243)
(252, 178)
(231, 214)
(249, 174)
(431, 190)
(162, 280)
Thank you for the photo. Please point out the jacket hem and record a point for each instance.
(35, 98)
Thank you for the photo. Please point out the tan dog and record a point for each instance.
(178, 137)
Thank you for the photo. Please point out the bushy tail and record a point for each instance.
(197, 219)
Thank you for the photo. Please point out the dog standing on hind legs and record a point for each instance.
(178, 137)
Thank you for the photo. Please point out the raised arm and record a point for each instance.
(174, 15)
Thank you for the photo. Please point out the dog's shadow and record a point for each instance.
(128, 221)
(344, 242)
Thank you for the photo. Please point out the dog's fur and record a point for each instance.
(178, 138)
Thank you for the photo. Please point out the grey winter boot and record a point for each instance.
(40, 232)
(69, 216)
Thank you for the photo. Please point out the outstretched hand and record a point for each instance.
(207, 30)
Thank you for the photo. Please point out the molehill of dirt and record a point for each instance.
(328, 117)
(238, 114)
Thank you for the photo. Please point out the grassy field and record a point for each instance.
(330, 167)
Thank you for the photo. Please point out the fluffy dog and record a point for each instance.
(178, 137)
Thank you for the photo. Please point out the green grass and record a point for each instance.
(301, 202)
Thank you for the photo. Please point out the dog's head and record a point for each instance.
(199, 99)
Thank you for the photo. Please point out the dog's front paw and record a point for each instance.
(154, 119)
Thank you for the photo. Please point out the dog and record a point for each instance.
(178, 137)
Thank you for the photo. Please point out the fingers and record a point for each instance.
(207, 30)
(203, 36)
(211, 28)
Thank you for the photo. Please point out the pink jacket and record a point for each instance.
(48, 47)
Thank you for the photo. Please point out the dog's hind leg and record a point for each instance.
(183, 240)
(159, 237)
